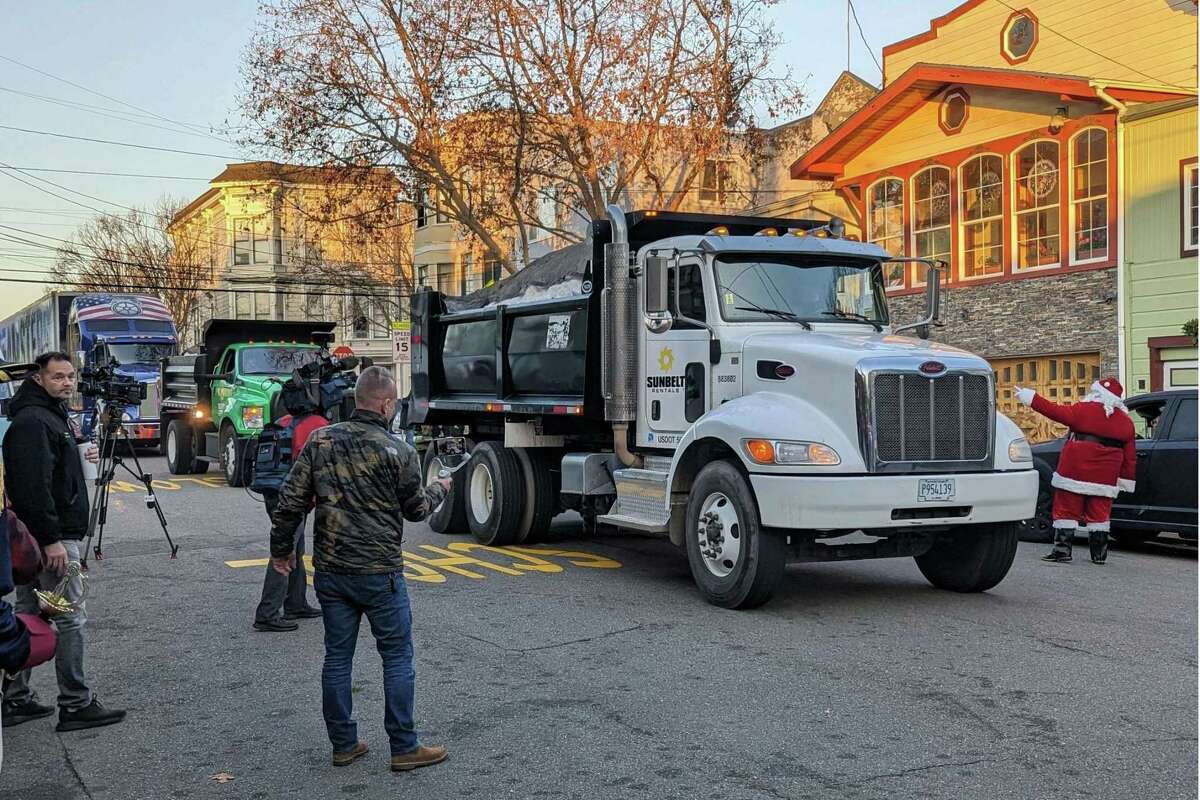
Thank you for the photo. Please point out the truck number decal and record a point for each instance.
(727, 379)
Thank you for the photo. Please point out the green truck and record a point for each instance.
(216, 400)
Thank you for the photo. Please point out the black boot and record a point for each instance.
(1098, 544)
(1061, 554)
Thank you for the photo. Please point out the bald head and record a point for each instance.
(375, 391)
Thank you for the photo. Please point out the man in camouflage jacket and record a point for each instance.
(364, 482)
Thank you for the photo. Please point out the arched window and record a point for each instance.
(1037, 194)
(930, 217)
(1089, 195)
(981, 215)
(885, 223)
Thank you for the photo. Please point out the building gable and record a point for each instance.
(1143, 41)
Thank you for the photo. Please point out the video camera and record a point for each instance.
(99, 378)
(324, 386)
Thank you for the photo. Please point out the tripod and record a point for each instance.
(111, 435)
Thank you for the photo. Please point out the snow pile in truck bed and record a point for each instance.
(557, 274)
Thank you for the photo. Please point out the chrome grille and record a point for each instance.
(149, 406)
(922, 419)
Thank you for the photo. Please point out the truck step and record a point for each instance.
(641, 500)
(657, 463)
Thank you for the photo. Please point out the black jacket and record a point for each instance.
(42, 474)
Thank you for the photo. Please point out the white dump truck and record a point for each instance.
(733, 383)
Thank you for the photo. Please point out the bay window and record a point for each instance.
(1036, 193)
(885, 224)
(1089, 195)
(930, 218)
(981, 216)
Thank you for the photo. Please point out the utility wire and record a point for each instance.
(114, 174)
(99, 94)
(112, 286)
(120, 144)
(863, 36)
(112, 114)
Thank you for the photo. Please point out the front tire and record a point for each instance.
(971, 558)
(494, 494)
(451, 515)
(177, 446)
(232, 461)
(734, 562)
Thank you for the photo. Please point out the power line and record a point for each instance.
(114, 174)
(120, 116)
(863, 36)
(111, 286)
(99, 94)
(119, 144)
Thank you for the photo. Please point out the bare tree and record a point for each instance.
(133, 253)
(488, 104)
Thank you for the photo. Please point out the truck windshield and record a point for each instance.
(803, 288)
(139, 353)
(275, 360)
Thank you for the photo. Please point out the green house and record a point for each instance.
(1161, 225)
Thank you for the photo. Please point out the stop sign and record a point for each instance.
(342, 351)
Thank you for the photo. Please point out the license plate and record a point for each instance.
(935, 490)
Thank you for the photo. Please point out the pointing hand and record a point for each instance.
(1025, 396)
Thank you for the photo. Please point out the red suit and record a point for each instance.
(1098, 461)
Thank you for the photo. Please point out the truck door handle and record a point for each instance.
(1143, 454)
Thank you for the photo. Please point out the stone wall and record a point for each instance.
(1072, 313)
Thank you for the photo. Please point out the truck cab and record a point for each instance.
(215, 401)
(761, 405)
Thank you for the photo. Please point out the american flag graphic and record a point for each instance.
(120, 306)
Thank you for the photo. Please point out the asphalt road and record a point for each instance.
(592, 669)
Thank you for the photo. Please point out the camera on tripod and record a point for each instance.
(99, 379)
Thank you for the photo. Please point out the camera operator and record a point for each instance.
(44, 481)
(283, 598)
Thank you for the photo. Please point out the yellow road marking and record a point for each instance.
(454, 558)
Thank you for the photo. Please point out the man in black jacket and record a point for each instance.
(45, 484)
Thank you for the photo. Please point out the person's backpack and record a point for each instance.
(273, 456)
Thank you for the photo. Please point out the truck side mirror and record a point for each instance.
(658, 314)
(933, 299)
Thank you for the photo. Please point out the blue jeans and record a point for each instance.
(384, 599)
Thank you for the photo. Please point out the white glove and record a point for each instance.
(1025, 396)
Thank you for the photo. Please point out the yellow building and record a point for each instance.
(1004, 143)
(291, 243)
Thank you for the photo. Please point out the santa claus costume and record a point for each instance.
(1098, 462)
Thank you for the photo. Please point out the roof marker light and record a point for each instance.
(767, 232)
(720, 230)
(798, 232)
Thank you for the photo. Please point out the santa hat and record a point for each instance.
(1107, 391)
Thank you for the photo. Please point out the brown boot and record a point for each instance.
(345, 759)
(421, 757)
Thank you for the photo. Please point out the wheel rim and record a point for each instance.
(431, 475)
(482, 493)
(230, 456)
(172, 451)
(719, 535)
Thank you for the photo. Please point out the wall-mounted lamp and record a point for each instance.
(1058, 119)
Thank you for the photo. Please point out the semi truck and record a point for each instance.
(214, 401)
(735, 384)
(137, 331)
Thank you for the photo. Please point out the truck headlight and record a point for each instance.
(252, 416)
(767, 451)
(1018, 451)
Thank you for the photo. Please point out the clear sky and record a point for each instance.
(181, 61)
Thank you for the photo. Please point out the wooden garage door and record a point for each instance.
(1061, 378)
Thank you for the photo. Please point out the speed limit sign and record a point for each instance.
(402, 343)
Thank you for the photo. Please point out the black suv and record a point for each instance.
(1165, 499)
